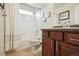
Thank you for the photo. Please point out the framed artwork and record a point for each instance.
(64, 15)
(2, 5)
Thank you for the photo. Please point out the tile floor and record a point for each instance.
(25, 52)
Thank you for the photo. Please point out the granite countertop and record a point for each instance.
(62, 29)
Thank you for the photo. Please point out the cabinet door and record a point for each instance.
(56, 48)
(53, 47)
(43, 47)
(68, 50)
(46, 47)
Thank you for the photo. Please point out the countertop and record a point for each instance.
(63, 29)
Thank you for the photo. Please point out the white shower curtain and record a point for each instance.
(12, 33)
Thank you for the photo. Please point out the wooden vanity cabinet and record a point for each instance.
(56, 36)
(46, 47)
(47, 44)
(60, 42)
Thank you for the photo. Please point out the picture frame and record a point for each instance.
(64, 15)
(2, 5)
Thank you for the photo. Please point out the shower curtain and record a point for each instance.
(12, 34)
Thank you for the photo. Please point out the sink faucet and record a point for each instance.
(66, 24)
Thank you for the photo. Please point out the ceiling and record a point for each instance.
(57, 5)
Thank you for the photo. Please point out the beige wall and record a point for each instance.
(45, 10)
(73, 14)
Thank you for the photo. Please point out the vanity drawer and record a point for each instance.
(72, 38)
(45, 33)
(56, 35)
